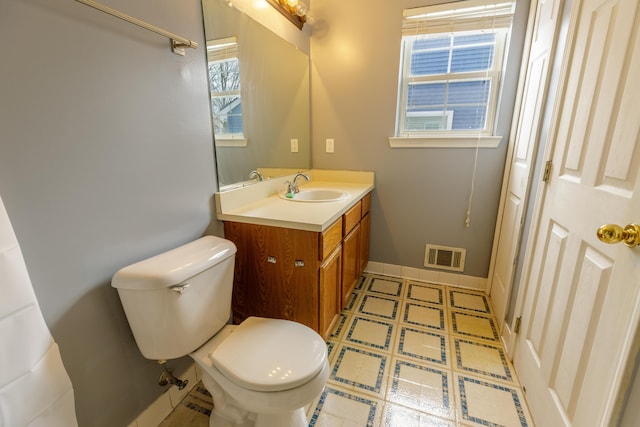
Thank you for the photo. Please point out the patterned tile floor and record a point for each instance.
(410, 353)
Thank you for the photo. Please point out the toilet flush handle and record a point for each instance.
(179, 288)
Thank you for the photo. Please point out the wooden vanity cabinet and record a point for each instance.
(329, 309)
(299, 275)
(350, 263)
(365, 232)
(284, 273)
(355, 246)
(276, 273)
(330, 278)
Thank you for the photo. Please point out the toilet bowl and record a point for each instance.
(264, 370)
(260, 373)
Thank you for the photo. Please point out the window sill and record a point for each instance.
(230, 142)
(445, 141)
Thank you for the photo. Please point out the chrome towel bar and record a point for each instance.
(177, 43)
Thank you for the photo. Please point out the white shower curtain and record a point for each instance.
(35, 389)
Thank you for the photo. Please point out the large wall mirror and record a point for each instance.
(257, 116)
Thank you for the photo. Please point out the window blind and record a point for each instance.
(222, 49)
(468, 15)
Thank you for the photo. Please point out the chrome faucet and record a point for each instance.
(294, 183)
(292, 186)
(256, 175)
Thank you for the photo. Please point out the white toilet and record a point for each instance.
(260, 373)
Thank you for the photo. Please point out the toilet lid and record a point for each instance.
(270, 354)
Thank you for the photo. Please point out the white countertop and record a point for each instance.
(264, 206)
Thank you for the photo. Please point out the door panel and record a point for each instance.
(546, 301)
(582, 304)
(534, 95)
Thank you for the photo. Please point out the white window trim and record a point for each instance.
(445, 141)
(484, 138)
(230, 141)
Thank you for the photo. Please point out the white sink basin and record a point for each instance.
(317, 195)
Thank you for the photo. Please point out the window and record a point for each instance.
(224, 83)
(452, 58)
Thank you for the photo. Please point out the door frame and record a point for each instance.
(511, 143)
(547, 110)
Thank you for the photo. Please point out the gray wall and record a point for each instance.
(421, 194)
(105, 158)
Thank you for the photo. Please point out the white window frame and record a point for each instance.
(225, 50)
(453, 138)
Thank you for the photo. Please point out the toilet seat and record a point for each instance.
(270, 354)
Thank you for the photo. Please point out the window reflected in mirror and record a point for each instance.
(224, 83)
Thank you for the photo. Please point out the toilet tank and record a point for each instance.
(177, 300)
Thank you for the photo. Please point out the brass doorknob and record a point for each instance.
(613, 233)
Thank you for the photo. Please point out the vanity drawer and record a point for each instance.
(366, 204)
(352, 217)
(330, 239)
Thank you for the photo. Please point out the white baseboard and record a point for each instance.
(431, 276)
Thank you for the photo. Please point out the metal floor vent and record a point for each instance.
(444, 257)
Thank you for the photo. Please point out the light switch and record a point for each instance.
(294, 145)
(330, 145)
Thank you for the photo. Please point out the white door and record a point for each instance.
(534, 93)
(582, 307)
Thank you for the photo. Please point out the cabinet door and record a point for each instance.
(275, 273)
(330, 275)
(290, 268)
(350, 263)
(365, 231)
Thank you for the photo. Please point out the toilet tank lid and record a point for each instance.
(175, 266)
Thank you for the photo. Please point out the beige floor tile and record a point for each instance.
(463, 299)
(481, 359)
(423, 345)
(475, 326)
(424, 316)
(341, 326)
(360, 370)
(399, 416)
(422, 387)
(364, 279)
(379, 306)
(386, 285)
(370, 332)
(338, 407)
(488, 403)
(353, 302)
(424, 292)
(331, 350)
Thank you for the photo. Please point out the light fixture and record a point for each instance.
(294, 10)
